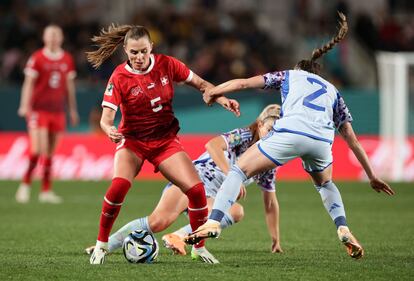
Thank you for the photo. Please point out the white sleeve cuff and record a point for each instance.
(110, 105)
(190, 77)
(31, 72)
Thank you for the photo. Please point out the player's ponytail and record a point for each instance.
(311, 65)
(108, 41)
(319, 52)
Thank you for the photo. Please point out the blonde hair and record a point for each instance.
(270, 112)
(108, 41)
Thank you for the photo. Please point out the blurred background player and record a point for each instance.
(48, 83)
(311, 110)
(143, 88)
(212, 167)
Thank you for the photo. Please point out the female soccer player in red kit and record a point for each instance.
(49, 81)
(142, 87)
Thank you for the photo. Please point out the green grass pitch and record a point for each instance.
(46, 242)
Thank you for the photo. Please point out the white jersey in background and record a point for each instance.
(238, 141)
(311, 106)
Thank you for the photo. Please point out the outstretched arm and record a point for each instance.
(233, 85)
(348, 134)
(203, 85)
(272, 219)
(216, 147)
(199, 83)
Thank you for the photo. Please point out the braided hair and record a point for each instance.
(108, 41)
(311, 65)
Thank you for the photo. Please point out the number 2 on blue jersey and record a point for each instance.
(307, 100)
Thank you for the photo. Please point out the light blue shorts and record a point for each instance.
(279, 147)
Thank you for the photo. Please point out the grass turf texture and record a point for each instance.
(46, 242)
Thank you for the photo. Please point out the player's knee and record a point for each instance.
(237, 212)
(159, 223)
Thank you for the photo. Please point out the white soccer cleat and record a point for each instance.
(352, 245)
(23, 193)
(175, 243)
(98, 256)
(49, 197)
(89, 250)
(211, 229)
(202, 254)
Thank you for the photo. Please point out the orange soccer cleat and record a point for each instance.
(352, 245)
(175, 243)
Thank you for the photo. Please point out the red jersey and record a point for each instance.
(51, 72)
(145, 97)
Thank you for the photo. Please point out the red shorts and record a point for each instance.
(53, 121)
(154, 151)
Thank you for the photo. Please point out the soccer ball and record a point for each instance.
(140, 247)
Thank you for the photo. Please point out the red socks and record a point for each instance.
(27, 178)
(111, 206)
(47, 165)
(197, 208)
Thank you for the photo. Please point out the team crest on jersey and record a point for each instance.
(136, 90)
(234, 139)
(109, 89)
(164, 80)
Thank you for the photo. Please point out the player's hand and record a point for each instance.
(379, 185)
(74, 118)
(208, 97)
(114, 135)
(229, 104)
(22, 111)
(276, 246)
(242, 193)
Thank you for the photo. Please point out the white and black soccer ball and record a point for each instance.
(140, 247)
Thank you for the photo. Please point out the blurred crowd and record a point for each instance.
(216, 43)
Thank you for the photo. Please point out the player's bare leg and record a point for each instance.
(252, 162)
(190, 184)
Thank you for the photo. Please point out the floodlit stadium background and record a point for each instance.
(219, 40)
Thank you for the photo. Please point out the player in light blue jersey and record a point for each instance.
(311, 110)
(212, 167)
